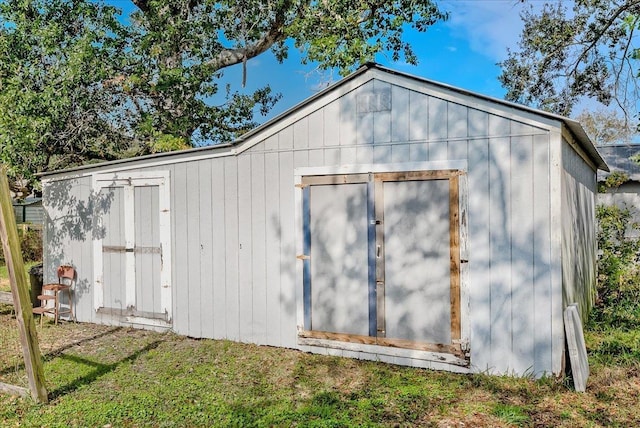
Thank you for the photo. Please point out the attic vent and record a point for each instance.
(375, 100)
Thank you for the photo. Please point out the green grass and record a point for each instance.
(4, 275)
(101, 375)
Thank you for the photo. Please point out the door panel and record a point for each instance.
(113, 245)
(416, 260)
(147, 249)
(381, 262)
(339, 254)
(132, 252)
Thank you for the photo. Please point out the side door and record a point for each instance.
(132, 252)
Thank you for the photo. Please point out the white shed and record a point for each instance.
(388, 217)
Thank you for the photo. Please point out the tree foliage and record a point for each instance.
(606, 127)
(55, 63)
(80, 82)
(564, 54)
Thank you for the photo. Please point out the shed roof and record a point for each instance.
(618, 157)
(573, 126)
(27, 202)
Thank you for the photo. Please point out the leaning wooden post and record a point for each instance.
(20, 293)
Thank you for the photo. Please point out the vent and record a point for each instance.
(376, 100)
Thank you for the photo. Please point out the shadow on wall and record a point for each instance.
(509, 281)
(509, 252)
(71, 212)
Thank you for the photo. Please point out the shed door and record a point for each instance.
(382, 259)
(417, 274)
(133, 284)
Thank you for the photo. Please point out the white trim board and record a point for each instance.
(460, 165)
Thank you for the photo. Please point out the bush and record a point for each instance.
(30, 244)
(618, 269)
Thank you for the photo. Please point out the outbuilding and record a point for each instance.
(388, 217)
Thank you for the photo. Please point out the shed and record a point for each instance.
(388, 218)
(28, 210)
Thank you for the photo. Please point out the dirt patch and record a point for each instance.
(4, 285)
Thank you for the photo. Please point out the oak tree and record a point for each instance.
(80, 82)
(571, 50)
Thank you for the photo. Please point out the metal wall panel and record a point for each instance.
(400, 114)
(523, 253)
(245, 250)
(418, 114)
(218, 243)
(67, 236)
(179, 232)
(194, 246)
(542, 264)
(232, 292)
(273, 246)
(500, 219)
(479, 256)
(579, 240)
(206, 242)
(258, 246)
(286, 302)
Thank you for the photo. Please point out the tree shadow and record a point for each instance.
(71, 208)
(57, 352)
(99, 369)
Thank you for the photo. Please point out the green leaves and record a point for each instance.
(344, 35)
(618, 267)
(53, 107)
(80, 83)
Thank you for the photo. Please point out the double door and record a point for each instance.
(132, 249)
(382, 261)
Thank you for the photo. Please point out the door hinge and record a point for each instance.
(464, 345)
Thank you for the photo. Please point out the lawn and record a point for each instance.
(107, 376)
(4, 275)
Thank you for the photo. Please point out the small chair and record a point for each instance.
(66, 280)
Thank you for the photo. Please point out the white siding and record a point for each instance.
(579, 237)
(67, 233)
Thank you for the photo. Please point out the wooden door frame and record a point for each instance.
(455, 173)
(128, 182)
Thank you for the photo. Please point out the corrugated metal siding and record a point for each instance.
(29, 213)
(579, 236)
(233, 230)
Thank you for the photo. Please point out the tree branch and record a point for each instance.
(230, 57)
(143, 5)
(599, 34)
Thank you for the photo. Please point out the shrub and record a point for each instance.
(618, 269)
(30, 244)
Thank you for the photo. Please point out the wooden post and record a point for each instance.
(20, 293)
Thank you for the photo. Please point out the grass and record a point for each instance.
(4, 275)
(107, 376)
